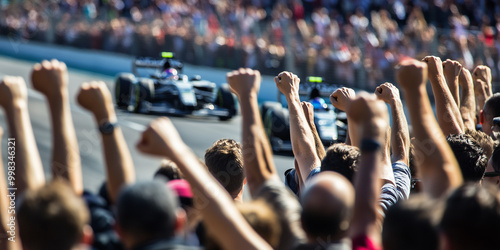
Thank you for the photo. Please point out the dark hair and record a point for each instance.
(169, 170)
(471, 217)
(492, 106)
(470, 156)
(225, 162)
(342, 159)
(412, 224)
(483, 140)
(52, 217)
(147, 210)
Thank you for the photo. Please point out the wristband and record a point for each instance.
(369, 145)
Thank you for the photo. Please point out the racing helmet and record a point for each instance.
(170, 73)
(318, 103)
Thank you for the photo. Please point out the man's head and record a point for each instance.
(225, 162)
(147, 211)
(327, 202)
(490, 110)
(412, 224)
(53, 217)
(470, 156)
(471, 218)
(169, 170)
(342, 159)
(483, 140)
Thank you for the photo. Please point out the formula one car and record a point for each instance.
(330, 122)
(158, 85)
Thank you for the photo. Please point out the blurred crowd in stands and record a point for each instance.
(347, 42)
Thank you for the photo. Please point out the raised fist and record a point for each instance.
(96, 98)
(12, 91)
(451, 69)
(434, 66)
(411, 74)
(160, 138)
(244, 82)
(342, 97)
(287, 83)
(50, 78)
(483, 73)
(387, 92)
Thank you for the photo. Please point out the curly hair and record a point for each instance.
(470, 156)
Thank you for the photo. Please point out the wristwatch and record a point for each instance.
(107, 128)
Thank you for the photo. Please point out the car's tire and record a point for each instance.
(225, 99)
(123, 83)
(276, 124)
(143, 90)
(267, 105)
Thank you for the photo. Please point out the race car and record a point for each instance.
(158, 85)
(331, 123)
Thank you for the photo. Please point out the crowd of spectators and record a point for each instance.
(350, 43)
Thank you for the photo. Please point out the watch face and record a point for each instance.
(107, 128)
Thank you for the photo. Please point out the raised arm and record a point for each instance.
(9, 239)
(220, 214)
(29, 170)
(370, 116)
(451, 71)
(341, 99)
(436, 163)
(467, 102)
(96, 98)
(309, 113)
(447, 112)
(257, 155)
(303, 144)
(400, 136)
(51, 79)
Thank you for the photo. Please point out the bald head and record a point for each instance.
(327, 202)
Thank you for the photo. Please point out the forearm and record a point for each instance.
(29, 169)
(453, 87)
(352, 131)
(400, 137)
(437, 165)
(303, 144)
(218, 210)
(468, 107)
(367, 186)
(119, 164)
(257, 154)
(386, 173)
(65, 153)
(320, 149)
(447, 111)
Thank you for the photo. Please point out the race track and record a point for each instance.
(198, 133)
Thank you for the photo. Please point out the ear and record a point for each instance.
(481, 117)
(88, 235)
(180, 221)
(245, 181)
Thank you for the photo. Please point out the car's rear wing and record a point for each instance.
(165, 62)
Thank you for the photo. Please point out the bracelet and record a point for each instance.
(369, 145)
